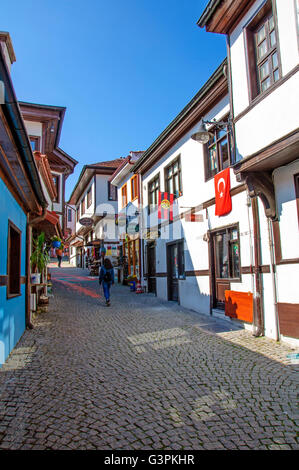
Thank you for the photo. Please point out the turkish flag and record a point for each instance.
(222, 192)
(165, 206)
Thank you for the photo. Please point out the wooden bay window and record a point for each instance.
(261, 42)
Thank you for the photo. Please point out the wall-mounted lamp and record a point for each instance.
(203, 136)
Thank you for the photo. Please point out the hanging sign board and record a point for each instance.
(86, 221)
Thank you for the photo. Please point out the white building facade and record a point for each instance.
(263, 61)
(95, 203)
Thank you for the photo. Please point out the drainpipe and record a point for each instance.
(248, 204)
(273, 275)
(140, 222)
(28, 285)
(258, 316)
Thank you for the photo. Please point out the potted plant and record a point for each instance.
(39, 258)
(132, 279)
(56, 241)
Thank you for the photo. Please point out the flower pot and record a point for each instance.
(132, 286)
(35, 278)
(56, 244)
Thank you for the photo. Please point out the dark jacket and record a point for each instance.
(102, 274)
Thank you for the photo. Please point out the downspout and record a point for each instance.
(273, 275)
(250, 243)
(140, 222)
(258, 316)
(28, 285)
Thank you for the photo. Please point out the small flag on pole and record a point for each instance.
(165, 206)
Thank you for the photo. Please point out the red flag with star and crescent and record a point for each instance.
(222, 192)
(165, 206)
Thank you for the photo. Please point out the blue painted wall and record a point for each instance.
(12, 311)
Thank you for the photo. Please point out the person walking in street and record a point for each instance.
(106, 278)
(59, 256)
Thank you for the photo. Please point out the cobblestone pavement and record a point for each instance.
(143, 374)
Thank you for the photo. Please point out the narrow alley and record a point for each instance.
(142, 374)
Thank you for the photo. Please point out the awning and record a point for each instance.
(52, 217)
(49, 225)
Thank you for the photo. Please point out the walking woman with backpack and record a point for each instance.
(106, 278)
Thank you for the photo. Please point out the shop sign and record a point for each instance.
(86, 221)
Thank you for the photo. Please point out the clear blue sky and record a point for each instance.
(124, 68)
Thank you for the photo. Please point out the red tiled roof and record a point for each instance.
(110, 163)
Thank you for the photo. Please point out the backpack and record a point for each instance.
(107, 276)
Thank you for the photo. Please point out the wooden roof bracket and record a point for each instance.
(261, 184)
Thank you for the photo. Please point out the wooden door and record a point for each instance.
(220, 271)
(173, 272)
(151, 267)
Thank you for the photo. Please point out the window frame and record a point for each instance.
(82, 206)
(227, 230)
(16, 266)
(296, 183)
(261, 16)
(56, 180)
(124, 197)
(179, 172)
(153, 207)
(69, 215)
(110, 197)
(134, 184)
(36, 139)
(217, 140)
(89, 197)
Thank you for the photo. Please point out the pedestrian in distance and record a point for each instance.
(59, 256)
(106, 278)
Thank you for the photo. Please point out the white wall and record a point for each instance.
(288, 45)
(34, 129)
(287, 209)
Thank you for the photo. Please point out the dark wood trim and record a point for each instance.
(277, 241)
(258, 314)
(224, 18)
(288, 144)
(211, 202)
(277, 247)
(63, 203)
(57, 187)
(197, 272)
(36, 139)
(3, 280)
(296, 183)
(266, 93)
(264, 269)
(288, 261)
(288, 315)
(9, 294)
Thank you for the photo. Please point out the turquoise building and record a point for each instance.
(21, 196)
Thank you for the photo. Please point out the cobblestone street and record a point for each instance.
(143, 374)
